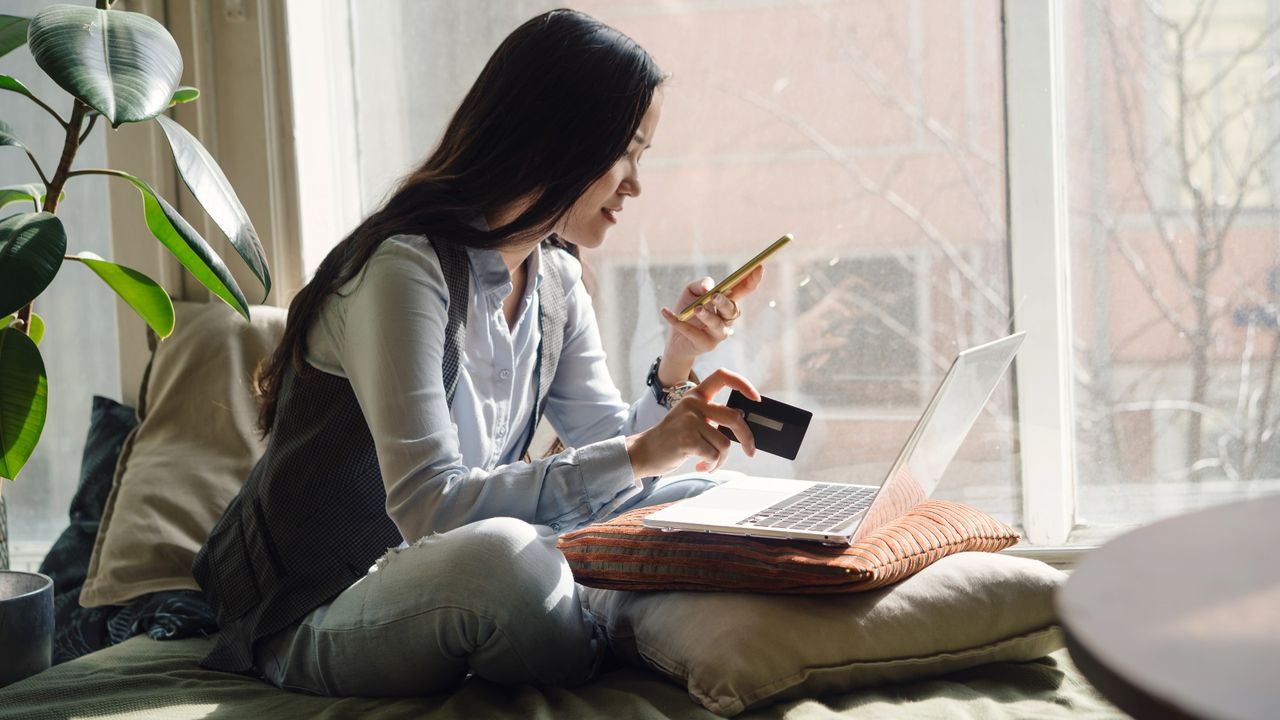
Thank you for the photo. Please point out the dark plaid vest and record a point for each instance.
(311, 518)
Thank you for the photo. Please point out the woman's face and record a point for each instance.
(599, 208)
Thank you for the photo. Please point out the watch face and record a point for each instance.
(678, 392)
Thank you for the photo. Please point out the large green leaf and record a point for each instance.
(31, 192)
(31, 250)
(13, 33)
(140, 292)
(13, 84)
(8, 138)
(125, 65)
(210, 186)
(176, 234)
(24, 400)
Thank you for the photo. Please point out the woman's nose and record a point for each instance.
(630, 185)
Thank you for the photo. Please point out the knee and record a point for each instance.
(499, 538)
(679, 489)
(690, 487)
(513, 552)
(504, 554)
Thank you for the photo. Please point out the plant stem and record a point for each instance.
(39, 171)
(54, 187)
(69, 148)
(23, 323)
(88, 129)
(99, 171)
(47, 109)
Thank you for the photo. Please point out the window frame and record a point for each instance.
(1040, 265)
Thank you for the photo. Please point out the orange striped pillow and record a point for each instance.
(622, 554)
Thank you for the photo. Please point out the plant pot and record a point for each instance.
(26, 624)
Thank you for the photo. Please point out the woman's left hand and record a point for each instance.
(710, 324)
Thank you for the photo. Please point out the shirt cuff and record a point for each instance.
(606, 473)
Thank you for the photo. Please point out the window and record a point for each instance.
(1220, 94)
(853, 126)
(1136, 142)
(873, 131)
(857, 317)
(1173, 159)
(635, 292)
(80, 345)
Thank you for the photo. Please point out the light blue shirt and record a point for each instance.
(442, 466)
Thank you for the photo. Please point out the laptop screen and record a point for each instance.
(942, 428)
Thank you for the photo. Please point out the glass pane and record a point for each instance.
(872, 130)
(80, 348)
(1173, 135)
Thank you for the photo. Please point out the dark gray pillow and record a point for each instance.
(68, 559)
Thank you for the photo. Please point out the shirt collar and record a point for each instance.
(490, 272)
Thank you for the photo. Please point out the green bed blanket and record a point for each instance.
(143, 678)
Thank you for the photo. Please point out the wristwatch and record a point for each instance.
(666, 396)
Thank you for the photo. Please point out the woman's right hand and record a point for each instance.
(690, 429)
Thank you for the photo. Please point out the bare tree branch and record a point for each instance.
(1235, 60)
(873, 187)
(1140, 165)
(1242, 189)
(884, 89)
(1148, 283)
(1204, 24)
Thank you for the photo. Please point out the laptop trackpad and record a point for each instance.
(720, 506)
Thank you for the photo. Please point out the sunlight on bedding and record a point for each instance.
(173, 712)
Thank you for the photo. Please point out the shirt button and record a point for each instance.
(504, 374)
(555, 526)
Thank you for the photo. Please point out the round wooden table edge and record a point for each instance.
(1120, 692)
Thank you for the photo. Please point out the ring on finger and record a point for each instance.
(737, 311)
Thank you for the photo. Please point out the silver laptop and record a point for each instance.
(845, 513)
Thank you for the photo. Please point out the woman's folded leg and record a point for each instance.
(494, 598)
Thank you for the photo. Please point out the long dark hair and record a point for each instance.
(552, 111)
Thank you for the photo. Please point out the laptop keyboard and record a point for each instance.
(820, 508)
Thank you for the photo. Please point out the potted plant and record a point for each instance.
(119, 67)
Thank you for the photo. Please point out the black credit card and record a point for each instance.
(778, 428)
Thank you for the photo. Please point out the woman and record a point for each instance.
(412, 371)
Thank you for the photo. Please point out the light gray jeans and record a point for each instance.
(494, 598)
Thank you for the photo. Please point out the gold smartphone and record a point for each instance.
(736, 276)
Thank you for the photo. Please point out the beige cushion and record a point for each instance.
(736, 651)
(192, 449)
